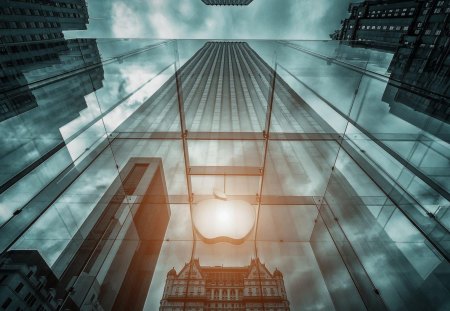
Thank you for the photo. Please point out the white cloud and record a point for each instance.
(127, 23)
(187, 9)
(263, 19)
(163, 26)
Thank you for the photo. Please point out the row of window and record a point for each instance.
(225, 276)
(228, 283)
(385, 27)
(391, 12)
(183, 282)
(437, 11)
(35, 37)
(27, 25)
(402, 14)
(376, 13)
(23, 48)
(68, 5)
(57, 4)
(266, 292)
(35, 12)
(6, 304)
(227, 307)
(23, 62)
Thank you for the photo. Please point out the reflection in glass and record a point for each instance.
(346, 201)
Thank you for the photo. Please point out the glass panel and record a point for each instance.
(385, 240)
(139, 174)
(298, 168)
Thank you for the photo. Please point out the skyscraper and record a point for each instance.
(50, 101)
(416, 32)
(379, 24)
(252, 287)
(227, 2)
(32, 38)
(25, 21)
(236, 80)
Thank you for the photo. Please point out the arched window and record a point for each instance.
(216, 294)
(233, 294)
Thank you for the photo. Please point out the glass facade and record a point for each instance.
(103, 176)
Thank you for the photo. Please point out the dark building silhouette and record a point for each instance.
(31, 37)
(53, 99)
(252, 287)
(26, 282)
(378, 23)
(418, 32)
(40, 127)
(227, 2)
(119, 237)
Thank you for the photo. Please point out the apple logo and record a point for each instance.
(223, 220)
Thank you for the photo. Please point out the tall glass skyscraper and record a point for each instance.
(218, 175)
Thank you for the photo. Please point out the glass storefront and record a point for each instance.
(346, 191)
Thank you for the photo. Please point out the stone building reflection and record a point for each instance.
(251, 287)
(26, 282)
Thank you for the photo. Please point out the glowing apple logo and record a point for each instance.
(223, 220)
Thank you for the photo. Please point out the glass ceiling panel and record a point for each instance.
(363, 58)
(343, 186)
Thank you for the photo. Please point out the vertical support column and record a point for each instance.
(266, 137)
(184, 136)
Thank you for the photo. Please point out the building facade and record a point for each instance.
(418, 32)
(198, 287)
(227, 2)
(31, 33)
(42, 101)
(422, 66)
(379, 23)
(225, 88)
(27, 282)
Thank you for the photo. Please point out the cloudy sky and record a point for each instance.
(262, 19)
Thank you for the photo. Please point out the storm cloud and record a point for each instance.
(191, 19)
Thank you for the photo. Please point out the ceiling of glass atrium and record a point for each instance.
(122, 159)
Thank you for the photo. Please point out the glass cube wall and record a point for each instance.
(214, 175)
